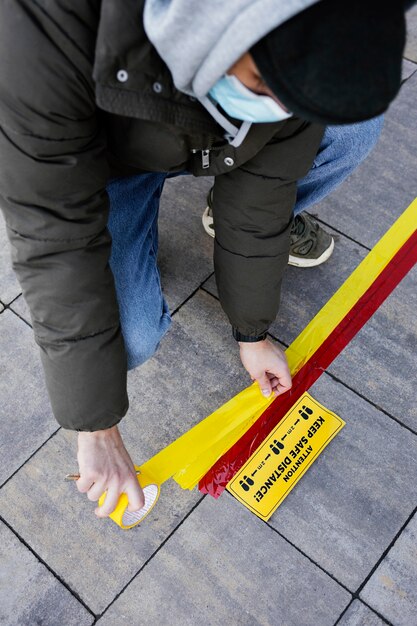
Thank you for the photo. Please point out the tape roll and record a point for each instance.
(126, 519)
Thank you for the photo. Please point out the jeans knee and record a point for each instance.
(366, 136)
(351, 143)
(141, 343)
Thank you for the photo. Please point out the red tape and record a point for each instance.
(216, 479)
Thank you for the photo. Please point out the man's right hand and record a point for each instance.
(105, 465)
(267, 364)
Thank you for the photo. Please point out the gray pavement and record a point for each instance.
(341, 549)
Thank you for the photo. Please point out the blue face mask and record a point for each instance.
(243, 104)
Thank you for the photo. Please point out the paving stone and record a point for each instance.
(225, 566)
(392, 589)
(411, 46)
(20, 307)
(9, 287)
(185, 251)
(351, 503)
(383, 186)
(25, 416)
(30, 594)
(196, 369)
(359, 615)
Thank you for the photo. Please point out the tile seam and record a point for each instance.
(8, 308)
(48, 567)
(339, 232)
(413, 61)
(192, 294)
(29, 458)
(100, 615)
(309, 558)
(382, 618)
(384, 554)
(11, 301)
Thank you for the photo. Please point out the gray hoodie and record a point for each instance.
(200, 39)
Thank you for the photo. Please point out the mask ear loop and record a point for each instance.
(234, 135)
(241, 135)
(230, 128)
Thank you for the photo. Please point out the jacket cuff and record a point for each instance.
(247, 338)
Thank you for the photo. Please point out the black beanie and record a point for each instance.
(336, 62)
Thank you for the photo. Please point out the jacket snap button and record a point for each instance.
(229, 161)
(157, 87)
(122, 76)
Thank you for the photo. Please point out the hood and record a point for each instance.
(200, 39)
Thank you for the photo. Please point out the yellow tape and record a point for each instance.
(189, 475)
(188, 458)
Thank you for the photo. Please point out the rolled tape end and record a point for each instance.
(131, 519)
(127, 519)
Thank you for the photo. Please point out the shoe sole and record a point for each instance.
(293, 260)
(208, 222)
(301, 262)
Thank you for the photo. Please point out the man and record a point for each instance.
(90, 102)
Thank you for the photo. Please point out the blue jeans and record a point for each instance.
(342, 149)
(133, 224)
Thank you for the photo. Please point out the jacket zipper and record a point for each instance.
(205, 155)
(205, 158)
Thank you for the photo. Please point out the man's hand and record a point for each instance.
(267, 364)
(105, 465)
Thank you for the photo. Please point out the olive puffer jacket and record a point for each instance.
(83, 97)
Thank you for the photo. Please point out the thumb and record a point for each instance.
(265, 385)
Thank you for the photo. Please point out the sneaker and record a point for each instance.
(208, 221)
(207, 218)
(310, 244)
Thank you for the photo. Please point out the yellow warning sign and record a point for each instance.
(284, 457)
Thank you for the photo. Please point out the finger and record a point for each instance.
(274, 382)
(285, 381)
(110, 502)
(284, 378)
(135, 496)
(96, 490)
(84, 483)
(264, 385)
(280, 389)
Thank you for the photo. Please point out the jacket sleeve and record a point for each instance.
(53, 173)
(252, 211)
